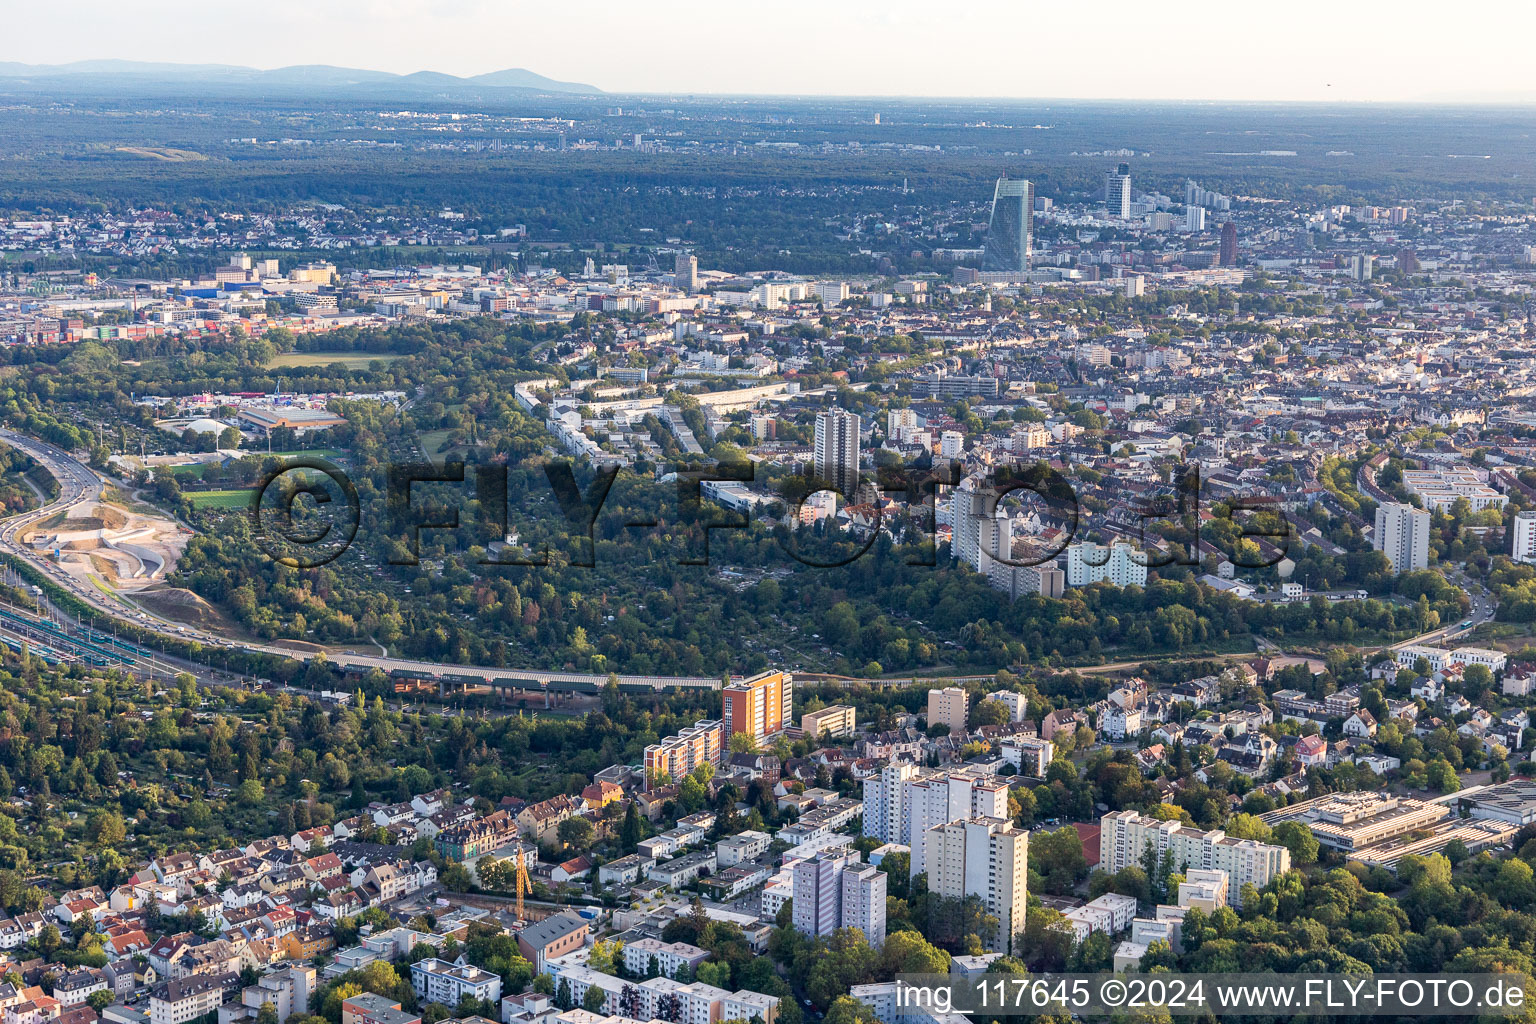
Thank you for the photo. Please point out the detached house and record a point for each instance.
(1361, 724)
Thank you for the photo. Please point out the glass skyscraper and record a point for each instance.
(1011, 231)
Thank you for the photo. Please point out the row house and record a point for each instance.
(32, 1008)
(185, 999)
(448, 817)
(483, 835)
(173, 866)
(21, 929)
(77, 986)
(215, 957)
(222, 861)
(542, 819)
(327, 865)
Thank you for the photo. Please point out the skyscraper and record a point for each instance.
(1229, 243)
(1117, 192)
(883, 802)
(1523, 540)
(863, 899)
(1011, 231)
(984, 857)
(837, 450)
(1402, 534)
(759, 706)
(977, 538)
(685, 272)
(833, 890)
(943, 797)
(817, 908)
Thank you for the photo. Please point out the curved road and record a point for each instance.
(79, 484)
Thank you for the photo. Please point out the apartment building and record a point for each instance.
(1119, 563)
(903, 801)
(948, 707)
(681, 871)
(1111, 914)
(473, 838)
(1205, 889)
(183, 999)
(1522, 546)
(78, 985)
(554, 936)
(944, 797)
(1439, 659)
(678, 755)
(1402, 534)
(863, 902)
(833, 890)
(837, 450)
(287, 990)
(1440, 487)
(1016, 703)
(883, 816)
(817, 907)
(697, 1003)
(670, 957)
(438, 981)
(984, 857)
(743, 846)
(760, 706)
(1029, 755)
(833, 722)
(1125, 835)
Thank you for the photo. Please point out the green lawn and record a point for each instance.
(351, 360)
(219, 499)
(329, 454)
(432, 441)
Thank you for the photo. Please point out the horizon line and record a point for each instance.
(1514, 101)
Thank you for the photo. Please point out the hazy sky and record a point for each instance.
(1304, 50)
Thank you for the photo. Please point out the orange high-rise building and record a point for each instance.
(760, 706)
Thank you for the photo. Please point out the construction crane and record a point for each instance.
(523, 885)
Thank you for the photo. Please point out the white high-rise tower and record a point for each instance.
(837, 450)
(1402, 534)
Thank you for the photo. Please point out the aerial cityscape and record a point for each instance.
(491, 548)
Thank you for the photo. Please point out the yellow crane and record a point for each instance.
(523, 885)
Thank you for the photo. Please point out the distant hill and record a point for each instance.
(129, 75)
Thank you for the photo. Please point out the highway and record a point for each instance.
(79, 484)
